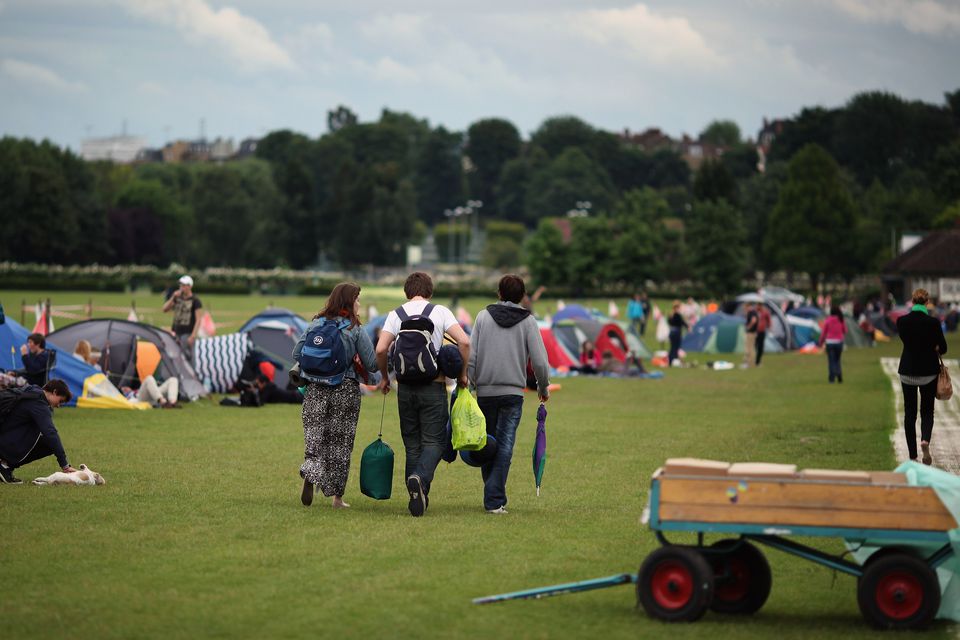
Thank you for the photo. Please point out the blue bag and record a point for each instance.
(323, 359)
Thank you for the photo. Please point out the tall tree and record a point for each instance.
(637, 253)
(439, 175)
(548, 254)
(811, 229)
(339, 118)
(570, 178)
(490, 144)
(558, 134)
(714, 182)
(759, 195)
(716, 239)
(723, 133)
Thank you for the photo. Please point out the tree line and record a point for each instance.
(838, 184)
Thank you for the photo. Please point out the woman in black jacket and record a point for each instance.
(923, 344)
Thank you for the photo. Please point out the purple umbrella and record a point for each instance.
(540, 446)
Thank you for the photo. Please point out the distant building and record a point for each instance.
(932, 264)
(765, 137)
(693, 152)
(222, 149)
(113, 148)
(248, 147)
(176, 151)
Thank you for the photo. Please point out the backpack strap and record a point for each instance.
(401, 314)
(427, 310)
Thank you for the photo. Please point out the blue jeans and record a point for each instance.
(423, 427)
(834, 351)
(502, 414)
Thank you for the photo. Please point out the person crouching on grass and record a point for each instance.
(505, 337)
(330, 413)
(27, 433)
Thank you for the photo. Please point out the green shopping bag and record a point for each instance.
(376, 470)
(467, 422)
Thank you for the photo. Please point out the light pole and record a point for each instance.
(474, 206)
(449, 214)
(581, 210)
(463, 211)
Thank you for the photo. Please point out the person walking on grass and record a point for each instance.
(763, 325)
(832, 335)
(415, 330)
(331, 406)
(750, 343)
(923, 346)
(505, 337)
(677, 325)
(636, 314)
(27, 432)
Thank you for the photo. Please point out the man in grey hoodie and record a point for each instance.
(505, 337)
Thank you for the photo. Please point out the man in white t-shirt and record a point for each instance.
(422, 407)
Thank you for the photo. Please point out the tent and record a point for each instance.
(117, 340)
(605, 336)
(275, 341)
(220, 359)
(855, 336)
(779, 327)
(803, 330)
(781, 295)
(722, 333)
(572, 312)
(557, 355)
(276, 315)
(90, 388)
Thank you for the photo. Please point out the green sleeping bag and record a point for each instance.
(376, 470)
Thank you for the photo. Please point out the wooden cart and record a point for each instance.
(895, 588)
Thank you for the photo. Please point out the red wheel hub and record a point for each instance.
(735, 585)
(899, 595)
(672, 585)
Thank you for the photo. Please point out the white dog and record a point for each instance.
(83, 475)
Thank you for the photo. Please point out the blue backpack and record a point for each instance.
(413, 356)
(323, 358)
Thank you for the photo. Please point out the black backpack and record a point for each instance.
(413, 356)
(10, 397)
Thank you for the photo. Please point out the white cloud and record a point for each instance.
(36, 75)
(238, 37)
(152, 89)
(926, 17)
(646, 35)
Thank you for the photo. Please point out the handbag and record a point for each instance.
(467, 422)
(944, 384)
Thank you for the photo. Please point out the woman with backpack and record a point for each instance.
(326, 353)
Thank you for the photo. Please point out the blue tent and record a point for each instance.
(273, 315)
(71, 370)
(572, 312)
(722, 333)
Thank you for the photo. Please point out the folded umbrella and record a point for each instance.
(540, 446)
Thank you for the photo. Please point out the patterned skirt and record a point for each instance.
(330, 416)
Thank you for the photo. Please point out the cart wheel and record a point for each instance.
(741, 578)
(675, 584)
(898, 591)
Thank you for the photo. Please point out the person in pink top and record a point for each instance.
(832, 335)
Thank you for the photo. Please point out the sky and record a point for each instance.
(72, 69)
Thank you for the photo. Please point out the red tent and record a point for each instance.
(557, 355)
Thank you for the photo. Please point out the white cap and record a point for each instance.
(187, 280)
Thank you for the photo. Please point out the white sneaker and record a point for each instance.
(499, 511)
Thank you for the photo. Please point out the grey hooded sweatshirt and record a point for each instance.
(504, 338)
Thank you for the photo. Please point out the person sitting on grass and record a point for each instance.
(163, 396)
(270, 393)
(27, 432)
(590, 359)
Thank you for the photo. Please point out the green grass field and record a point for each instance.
(199, 531)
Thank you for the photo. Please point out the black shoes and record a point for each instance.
(418, 501)
(306, 494)
(6, 475)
